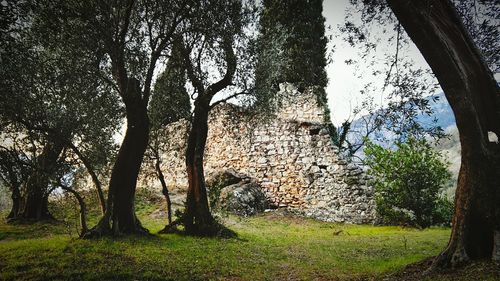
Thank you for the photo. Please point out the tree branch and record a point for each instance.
(228, 98)
(230, 59)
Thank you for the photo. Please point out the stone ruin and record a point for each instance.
(291, 157)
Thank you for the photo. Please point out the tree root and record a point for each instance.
(171, 227)
(104, 229)
(100, 230)
(450, 258)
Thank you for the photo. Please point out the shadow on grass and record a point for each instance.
(16, 230)
(219, 231)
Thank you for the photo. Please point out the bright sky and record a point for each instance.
(344, 86)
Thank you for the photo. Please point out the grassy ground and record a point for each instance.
(268, 247)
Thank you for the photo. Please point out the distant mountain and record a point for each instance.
(450, 145)
(441, 116)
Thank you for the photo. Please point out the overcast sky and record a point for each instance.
(344, 87)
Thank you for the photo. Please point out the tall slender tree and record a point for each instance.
(215, 41)
(292, 33)
(291, 48)
(170, 102)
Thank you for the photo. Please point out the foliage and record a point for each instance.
(407, 182)
(292, 33)
(443, 213)
(170, 101)
(217, 46)
(53, 92)
(480, 18)
(291, 47)
(405, 88)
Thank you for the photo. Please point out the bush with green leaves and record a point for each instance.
(407, 182)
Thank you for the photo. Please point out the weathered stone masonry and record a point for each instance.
(291, 157)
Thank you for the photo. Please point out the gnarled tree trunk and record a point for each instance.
(474, 96)
(35, 195)
(120, 215)
(198, 219)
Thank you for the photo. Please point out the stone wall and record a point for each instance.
(291, 157)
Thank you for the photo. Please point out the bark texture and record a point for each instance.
(35, 194)
(120, 215)
(198, 219)
(474, 96)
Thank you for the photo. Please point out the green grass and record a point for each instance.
(268, 247)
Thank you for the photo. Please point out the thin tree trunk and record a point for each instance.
(93, 175)
(83, 209)
(164, 188)
(34, 201)
(474, 96)
(198, 219)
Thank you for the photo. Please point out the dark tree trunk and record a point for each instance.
(16, 203)
(120, 215)
(93, 175)
(164, 188)
(474, 96)
(198, 220)
(83, 209)
(35, 197)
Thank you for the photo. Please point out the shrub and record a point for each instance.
(443, 213)
(407, 182)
